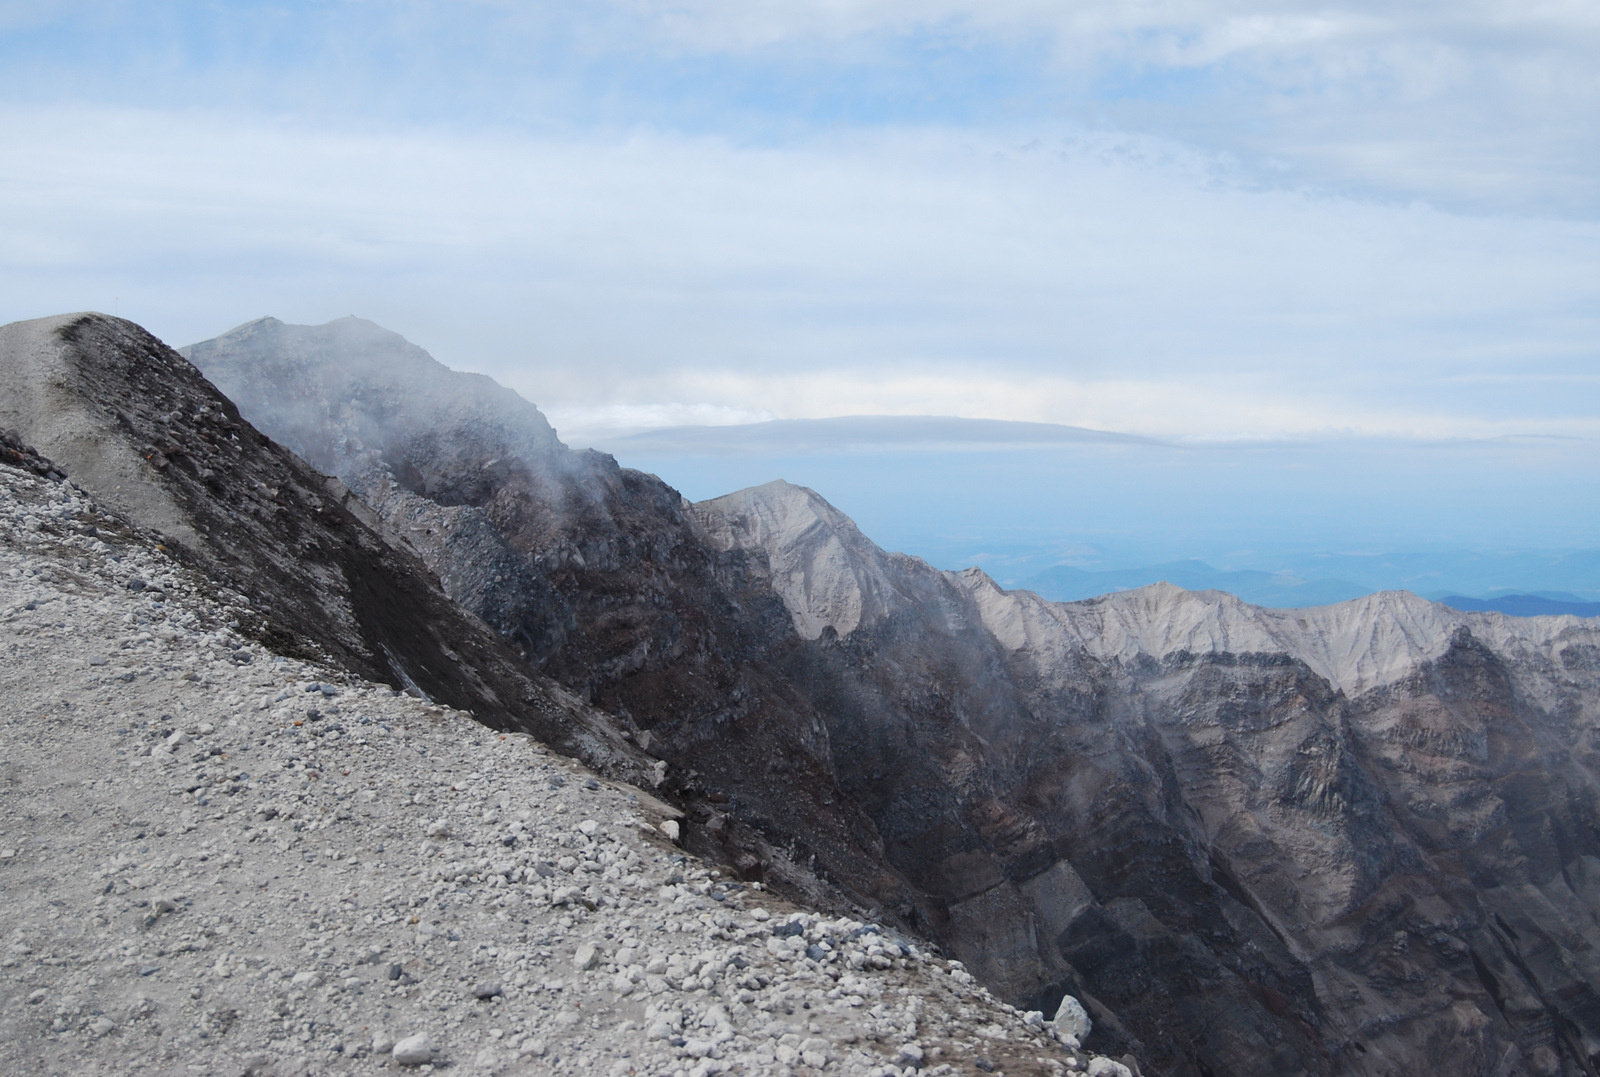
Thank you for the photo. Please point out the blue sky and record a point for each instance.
(1204, 221)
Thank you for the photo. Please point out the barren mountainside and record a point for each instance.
(218, 860)
(1359, 839)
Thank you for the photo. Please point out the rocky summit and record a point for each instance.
(1202, 837)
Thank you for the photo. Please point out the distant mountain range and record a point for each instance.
(1277, 590)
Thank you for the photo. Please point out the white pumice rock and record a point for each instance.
(293, 902)
(1072, 1020)
(413, 1050)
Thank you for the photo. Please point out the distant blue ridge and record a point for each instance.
(1522, 605)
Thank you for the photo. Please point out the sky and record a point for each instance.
(1212, 222)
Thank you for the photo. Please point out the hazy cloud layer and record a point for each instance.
(1050, 275)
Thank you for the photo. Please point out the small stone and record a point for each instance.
(760, 914)
(486, 990)
(101, 1025)
(1105, 1067)
(910, 1054)
(439, 828)
(585, 957)
(382, 1043)
(588, 826)
(413, 1050)
(670, 828)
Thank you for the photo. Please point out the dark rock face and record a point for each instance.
(140, 428)
(1355, 840)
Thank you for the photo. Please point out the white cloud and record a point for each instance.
(1485, 104)
(1045, 273)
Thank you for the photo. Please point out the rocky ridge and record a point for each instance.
(217, 859)
(1356, 840)
(830, 576)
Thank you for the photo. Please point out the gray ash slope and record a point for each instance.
(1353, 840)
(218, 860)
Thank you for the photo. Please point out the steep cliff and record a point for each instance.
(1356, 840)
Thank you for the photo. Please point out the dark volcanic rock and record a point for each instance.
(18, 453)
(140, 428)
(1359, 839)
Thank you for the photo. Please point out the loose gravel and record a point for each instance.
(217, 860)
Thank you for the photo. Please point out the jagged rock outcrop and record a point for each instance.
(1354, 840)
(299, 558)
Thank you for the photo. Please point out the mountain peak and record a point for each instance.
(827, 572)
(349, 393)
